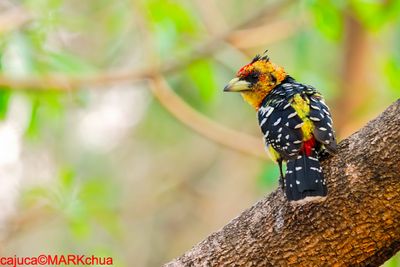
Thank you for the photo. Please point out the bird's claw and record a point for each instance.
(281, 183)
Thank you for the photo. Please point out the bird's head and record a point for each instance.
(256, 79)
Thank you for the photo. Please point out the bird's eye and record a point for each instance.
(252, 77)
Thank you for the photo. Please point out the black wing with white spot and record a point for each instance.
(322, 120)
(281, 125)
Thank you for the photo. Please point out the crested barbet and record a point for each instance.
(295, 121)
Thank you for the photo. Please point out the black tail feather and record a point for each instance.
(304, 177)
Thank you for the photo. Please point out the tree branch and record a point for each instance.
(355, 225)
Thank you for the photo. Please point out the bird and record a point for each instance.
(295, 122)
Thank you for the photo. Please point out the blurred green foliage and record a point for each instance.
(202, 75)
(328, 17)
(150, 188)
(79, 203)
(4, 99)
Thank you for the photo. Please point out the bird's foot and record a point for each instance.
(282, 183)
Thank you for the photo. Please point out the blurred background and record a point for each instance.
(115, 136)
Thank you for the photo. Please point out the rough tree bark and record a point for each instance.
(357, 224)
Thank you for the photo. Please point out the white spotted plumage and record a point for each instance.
(283, 132)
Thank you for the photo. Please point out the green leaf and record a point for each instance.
(33, 127)
(202, 74)
(4, 100)
(268, 176)
(67, 178)
(392, 72)
(5, 94)
(162, 11)
(173, 22)
(375, 14)
(47, 111)
(328, 18)
(393, 262)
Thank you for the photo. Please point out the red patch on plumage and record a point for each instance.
(308, 146)
(244, 70)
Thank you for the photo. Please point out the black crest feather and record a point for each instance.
(265, 56)
(258, 57)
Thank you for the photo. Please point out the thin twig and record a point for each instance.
(201, 124)
(192, 118)
(62, 83)
(161, 90)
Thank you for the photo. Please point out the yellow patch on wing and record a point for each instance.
(273, 154)
(302, 107)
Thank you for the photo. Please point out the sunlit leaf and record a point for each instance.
(4, 100)
(375, 14)
(393, 262)
(328, 18)
(4, 96)
(392, 72)
(47, 110)
(162, 11)
(172, 22)
(202, 74)
(33, 127)
(67, 178)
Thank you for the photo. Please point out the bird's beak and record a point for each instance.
(236, 85)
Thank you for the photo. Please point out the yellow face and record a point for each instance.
(255, 80)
